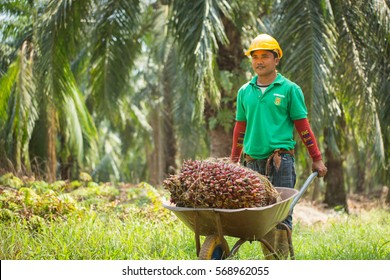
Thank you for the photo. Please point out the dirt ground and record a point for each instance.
(311, 213)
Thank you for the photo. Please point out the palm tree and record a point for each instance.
(307, 34)
(333, 68)
(75, 46)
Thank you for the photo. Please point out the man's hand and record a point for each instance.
(320, 167)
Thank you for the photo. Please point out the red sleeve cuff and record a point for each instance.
(238, 140)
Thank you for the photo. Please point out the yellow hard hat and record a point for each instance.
(264, 42)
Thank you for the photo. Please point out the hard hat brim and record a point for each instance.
(249, 52)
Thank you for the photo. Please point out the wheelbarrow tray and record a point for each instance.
(243, 223)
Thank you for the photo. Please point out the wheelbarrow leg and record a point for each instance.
(219, 225)
(197, 236)
(236, 247)
(289, 240)
(215, 246)
(290, 245)
(270, 248)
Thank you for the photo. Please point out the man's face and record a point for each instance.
(263, 62)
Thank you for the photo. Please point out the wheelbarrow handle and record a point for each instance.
(307, 183)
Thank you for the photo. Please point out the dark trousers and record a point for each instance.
(284, 177)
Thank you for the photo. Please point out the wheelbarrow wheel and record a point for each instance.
(214, 248)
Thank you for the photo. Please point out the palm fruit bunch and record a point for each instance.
(219, 184)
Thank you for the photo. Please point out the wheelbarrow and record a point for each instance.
(246, 224)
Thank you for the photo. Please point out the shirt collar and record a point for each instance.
(278, 80)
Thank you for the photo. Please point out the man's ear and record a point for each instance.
(277, 61)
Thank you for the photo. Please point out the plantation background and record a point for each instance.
(97, 95)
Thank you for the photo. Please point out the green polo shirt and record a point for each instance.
(269, 117)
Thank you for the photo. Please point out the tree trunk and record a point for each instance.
(229, 59)
(162, 159)
(155, 155)
(51, 154)
(230, 56)
(170, 143)
(359, 177)
(220, 142)
(335, 194)
(316, 191)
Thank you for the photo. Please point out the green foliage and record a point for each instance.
(25, 204)
(93, 194)
(31, 201)
(224, 118)
(10, 179)
(198, 34)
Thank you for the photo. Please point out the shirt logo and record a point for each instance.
(278, 99)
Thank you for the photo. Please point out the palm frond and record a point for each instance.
(21, 108)
(197, 33)
(15, 29)
(71, 130)
(362, 73)
(7, 82)
(5, 58)
(306, 33)
(66, 20)
(378, 63)
(188, 124)
(114, 49)
(60, 29)
(77, 127)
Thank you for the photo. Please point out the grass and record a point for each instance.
(97, 236)
(93, 225)
(363, 237)
(108, 237)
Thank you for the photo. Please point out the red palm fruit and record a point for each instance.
(217, 184)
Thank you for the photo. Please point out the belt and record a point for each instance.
(275, 158)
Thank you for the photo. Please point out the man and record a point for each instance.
(268, 108)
